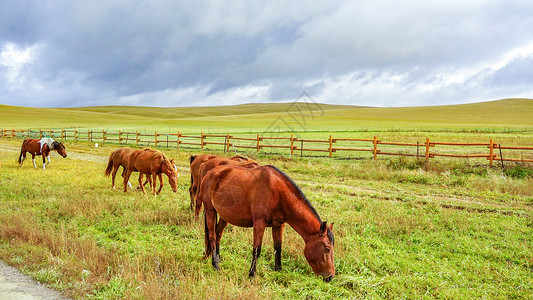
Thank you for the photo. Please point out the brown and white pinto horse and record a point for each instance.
(196, 162)
(213, 163)
(259, 198)
(153, 163)
(40, 147)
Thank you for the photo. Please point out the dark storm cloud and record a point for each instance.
(170, 53)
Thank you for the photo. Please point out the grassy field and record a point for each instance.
(500, 116)
(452, 229)
(402, 230)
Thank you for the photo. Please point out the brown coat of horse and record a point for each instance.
(153, 163)
(213, 163)
(118, 158)
(35, 148)
(196, 162)
(259, 198)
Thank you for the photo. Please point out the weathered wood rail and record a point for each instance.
(491, 151)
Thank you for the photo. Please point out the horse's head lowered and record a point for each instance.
(319, 252)
(60, 148)
(172, 174)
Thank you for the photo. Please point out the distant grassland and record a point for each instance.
(499, 116)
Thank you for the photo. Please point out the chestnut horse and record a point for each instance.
(119, 158)
(40, 147)
(196, 162)
(259, 198)
(152, 163)
(213, 163)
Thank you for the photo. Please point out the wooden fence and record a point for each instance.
(491, 150)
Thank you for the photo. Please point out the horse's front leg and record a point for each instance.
(277, 234)
(259, 230)
(141, 175)
(160, 176)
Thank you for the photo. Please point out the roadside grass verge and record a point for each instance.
(403, 229)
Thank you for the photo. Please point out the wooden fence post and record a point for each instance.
(88, 135)
(155, 136)
(202, 140)
(330, 146)
(179, 134)
(375, 147)
(119, 136)
(258, 142)
(427, 150)
(292, 144)
(62, 134)
(76, 135)
(103, 137)
(228, 142)
(491, 151)
(137, 137)
(40, 134)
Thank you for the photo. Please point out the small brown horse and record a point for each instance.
(153, 163)
(213, 163)
(259, 198)
(118, 158)
(196, 162)
(40, 147)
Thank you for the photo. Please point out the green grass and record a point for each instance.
(403, 229)
(501, 116)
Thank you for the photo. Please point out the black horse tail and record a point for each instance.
(21, 151)
(191, 159)
(109, 165)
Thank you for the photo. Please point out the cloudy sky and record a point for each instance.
(65, 53)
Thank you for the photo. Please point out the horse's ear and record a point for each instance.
(331, 226)
(323, 227)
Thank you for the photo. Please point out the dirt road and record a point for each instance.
(16, 286)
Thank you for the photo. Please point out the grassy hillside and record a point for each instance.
(495, 115)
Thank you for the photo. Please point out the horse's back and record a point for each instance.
(146, 160)
(31, 145)
(240, 195)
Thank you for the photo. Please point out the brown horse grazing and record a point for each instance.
(259, 198)
(213, 163)
(196, 162)
(40, 147)
(152, 163)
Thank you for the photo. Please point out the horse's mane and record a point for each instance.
(298, 191)
(241, 157)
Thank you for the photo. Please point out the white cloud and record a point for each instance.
(168, 53)
(13, 59)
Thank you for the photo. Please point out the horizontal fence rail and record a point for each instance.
(491, 151)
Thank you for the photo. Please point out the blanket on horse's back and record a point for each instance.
(47, 141)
